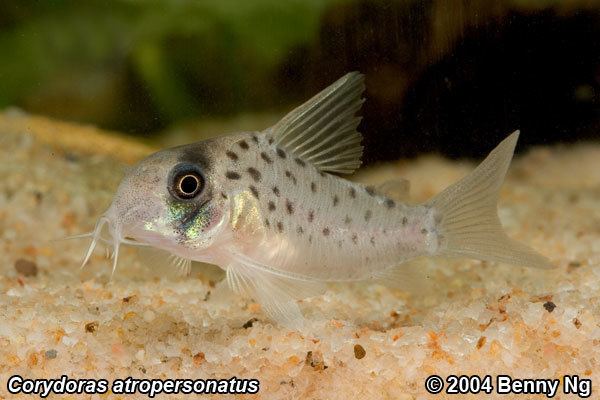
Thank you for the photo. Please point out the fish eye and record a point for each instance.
(186, 183)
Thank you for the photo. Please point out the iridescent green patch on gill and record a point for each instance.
(190, 217)
(179, 211)
(196, 225)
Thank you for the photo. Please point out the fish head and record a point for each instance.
(172, 200)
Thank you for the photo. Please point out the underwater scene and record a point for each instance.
(300, 199)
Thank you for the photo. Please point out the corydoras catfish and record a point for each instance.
(270, 209)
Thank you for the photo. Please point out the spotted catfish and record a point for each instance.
(270, 209)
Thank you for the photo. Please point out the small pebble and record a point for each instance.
(549, 306)
(71, 157)
(315, 360)
(50, 354)
(39, 196)
(249, 323)
(359, 351)
(481, 342)
(149, 316)
(129, 299)
(199, 358)
(26, 267)
(91, 327)
(573, 265)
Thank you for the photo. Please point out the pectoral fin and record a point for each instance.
(277, 293)
(163, 261)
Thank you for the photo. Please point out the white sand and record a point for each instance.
(480, 318)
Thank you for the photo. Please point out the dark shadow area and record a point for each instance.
(537, 72)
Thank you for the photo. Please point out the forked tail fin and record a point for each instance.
(469, 225)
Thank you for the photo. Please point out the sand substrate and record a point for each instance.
(362, 341)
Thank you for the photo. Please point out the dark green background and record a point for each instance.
(443, 76)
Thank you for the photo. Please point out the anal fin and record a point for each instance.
(411, 276)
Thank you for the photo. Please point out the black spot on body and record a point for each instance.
(276, 191)
(300, 162)
(370, 190)
(326, 231)
(254, 173)
(311, 216)
(368, 215)
(254, 191)
(270, 140)
(232, 175)
(271, 206)
(291, 176)
(352, 192)
(354, 238)
(223, 195)
(254, 139)
(266, 158)
(289, 206)
(313, 187)
(372, 240)
(336, 200)
(267, 222)
(389, 203)
(281, 153)
(424, 231)
(404, 221)
(243, 144)
(231, 155)
(300, 230)
(280, 226)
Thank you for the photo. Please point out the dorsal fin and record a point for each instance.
(322, 131)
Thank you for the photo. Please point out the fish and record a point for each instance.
(272, 209)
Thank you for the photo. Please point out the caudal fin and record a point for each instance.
(469, 225)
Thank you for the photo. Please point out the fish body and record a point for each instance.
(270, 210)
